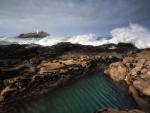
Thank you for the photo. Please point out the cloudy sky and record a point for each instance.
(71, 17)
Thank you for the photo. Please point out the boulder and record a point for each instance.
(117, 71)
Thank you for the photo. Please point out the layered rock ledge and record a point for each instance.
(27, 71)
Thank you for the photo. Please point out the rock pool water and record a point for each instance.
(84, 96)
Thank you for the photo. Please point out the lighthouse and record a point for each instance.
(37, 31)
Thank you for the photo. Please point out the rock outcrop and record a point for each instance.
(26, 69)
(135, 70)
(34, 35)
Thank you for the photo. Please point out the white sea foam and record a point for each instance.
(134, 33)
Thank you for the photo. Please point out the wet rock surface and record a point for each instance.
(32, 70)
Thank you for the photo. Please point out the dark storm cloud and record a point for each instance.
(67, 17)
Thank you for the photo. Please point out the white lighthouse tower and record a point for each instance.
(37, 31)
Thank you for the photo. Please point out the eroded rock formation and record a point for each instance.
(32, 70)
(135, 70)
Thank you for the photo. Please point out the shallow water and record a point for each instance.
(84, 96)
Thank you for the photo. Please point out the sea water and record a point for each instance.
(83, 96)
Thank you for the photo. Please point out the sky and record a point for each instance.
(71, 17)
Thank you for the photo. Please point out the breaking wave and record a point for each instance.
(134, 33)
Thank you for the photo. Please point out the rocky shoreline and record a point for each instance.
(32, 70)
(135, 70)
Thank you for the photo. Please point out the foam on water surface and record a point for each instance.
(134, 33)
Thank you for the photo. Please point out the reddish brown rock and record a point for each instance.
(135, 70)
(117, 71)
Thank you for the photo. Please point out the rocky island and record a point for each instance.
(28, 71)
(34, 35)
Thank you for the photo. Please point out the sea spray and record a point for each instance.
(134, 33)
(90, 39)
